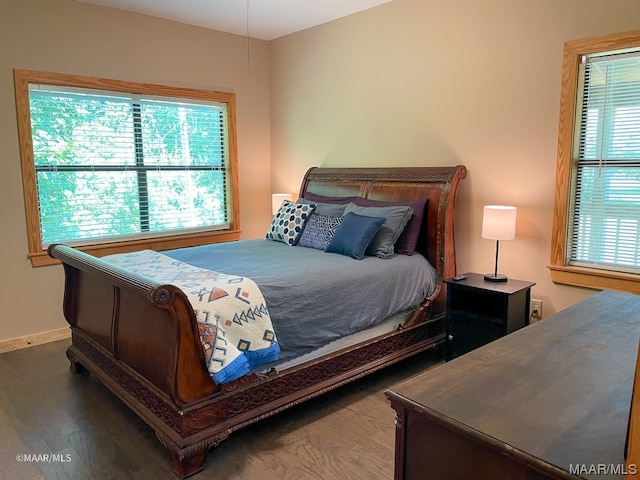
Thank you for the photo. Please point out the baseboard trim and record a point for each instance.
(35, 339)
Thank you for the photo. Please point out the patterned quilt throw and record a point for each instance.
(233, 320)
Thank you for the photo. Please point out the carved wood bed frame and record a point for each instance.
(163, 377)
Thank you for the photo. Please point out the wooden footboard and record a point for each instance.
(149, 327)
(140, 338)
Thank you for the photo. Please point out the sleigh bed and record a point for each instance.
(141, 338)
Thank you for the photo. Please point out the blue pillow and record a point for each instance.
(396, 218)
(408, 240)
(354, 235)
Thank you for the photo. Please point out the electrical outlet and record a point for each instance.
(535, 309)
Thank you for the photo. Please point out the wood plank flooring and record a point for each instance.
(77, 429)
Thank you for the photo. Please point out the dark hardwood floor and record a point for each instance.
(57, 425)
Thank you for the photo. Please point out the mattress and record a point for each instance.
(314, 297)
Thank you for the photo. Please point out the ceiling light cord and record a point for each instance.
(248, 40)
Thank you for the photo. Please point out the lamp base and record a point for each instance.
(495, 277)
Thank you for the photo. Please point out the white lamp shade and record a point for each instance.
(277, 199)
(499, 222)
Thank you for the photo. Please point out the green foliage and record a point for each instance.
(106, 164)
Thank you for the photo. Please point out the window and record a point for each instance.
(112, 166)
(596, 234)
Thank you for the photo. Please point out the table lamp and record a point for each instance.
(498, 223)
(277, 199)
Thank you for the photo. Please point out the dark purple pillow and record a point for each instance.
(408, 240)
(324, 199)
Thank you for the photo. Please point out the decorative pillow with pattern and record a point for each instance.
(287, 225)
(319, 231)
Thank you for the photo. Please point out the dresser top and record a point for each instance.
(559, 389)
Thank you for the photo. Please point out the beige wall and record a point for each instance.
(72, 37)
(412, 82)
(428, 82)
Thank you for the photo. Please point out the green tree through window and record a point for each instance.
(113, 165)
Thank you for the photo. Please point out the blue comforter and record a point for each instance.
(316, 297)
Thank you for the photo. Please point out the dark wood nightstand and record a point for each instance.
(479, 312)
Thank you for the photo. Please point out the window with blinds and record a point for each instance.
(112, 166)
(123, 166)
(605, 228)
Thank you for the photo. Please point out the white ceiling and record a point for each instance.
(267, 19)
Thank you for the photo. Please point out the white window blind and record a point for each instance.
(606, 215)
(111, 165)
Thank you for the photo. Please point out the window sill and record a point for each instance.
(594, 278)
(41, 259)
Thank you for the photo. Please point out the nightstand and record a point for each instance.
(479, 312)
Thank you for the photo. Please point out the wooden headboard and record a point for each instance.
(438, 184)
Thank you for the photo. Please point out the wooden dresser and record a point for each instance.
(548, 401)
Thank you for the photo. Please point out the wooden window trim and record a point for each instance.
(38, 256)
(561, 271)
